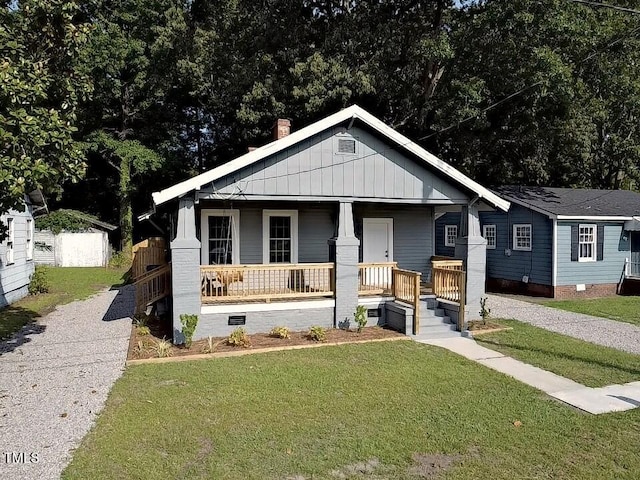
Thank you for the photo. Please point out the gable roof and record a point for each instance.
(575, 203)
(351, 113)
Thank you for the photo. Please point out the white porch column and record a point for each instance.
(471, 247)
(185, 267)
(345, 245)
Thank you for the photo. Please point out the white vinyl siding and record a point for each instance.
(450, 235)
(522, 237)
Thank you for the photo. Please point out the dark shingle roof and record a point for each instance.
(574, 201)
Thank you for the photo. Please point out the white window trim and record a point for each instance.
(495, 236)
(234, 213)
(594, 249)
(11, 226)
(29, 239)
(515, 228)
(446, 235)
(266, 214)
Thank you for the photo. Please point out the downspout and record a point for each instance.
(554, 256)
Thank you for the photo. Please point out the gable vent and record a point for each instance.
(346, 146)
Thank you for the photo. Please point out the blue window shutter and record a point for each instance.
(574, 243)
(600, 242)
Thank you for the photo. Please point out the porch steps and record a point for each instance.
(434, 323)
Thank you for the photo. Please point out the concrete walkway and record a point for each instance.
(609, 333)
(613, 398)
(55, 376)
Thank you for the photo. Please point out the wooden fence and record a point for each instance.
(147, 255)
(266, 282)
(152, 286)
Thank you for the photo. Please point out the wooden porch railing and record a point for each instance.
(450, 284)
(148, 253)
(266, 282)
(447, 263)
(152, 286)
(406, 288)
(375, 278)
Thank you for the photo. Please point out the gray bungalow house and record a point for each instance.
(16, 250)
(558, 242)
(301, 231)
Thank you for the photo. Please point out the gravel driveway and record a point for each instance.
(609, 333)
(54, 379)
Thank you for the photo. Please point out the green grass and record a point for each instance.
(620, 308)
(587, 363)
(308, 413)
(66, 285)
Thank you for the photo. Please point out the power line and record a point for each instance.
(606, 5)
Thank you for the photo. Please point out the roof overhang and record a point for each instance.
(594, 218)
(632, 225)
(351, 113)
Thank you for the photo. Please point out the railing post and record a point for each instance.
(416, 305)
(462, 283)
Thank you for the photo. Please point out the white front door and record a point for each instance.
(377, 247)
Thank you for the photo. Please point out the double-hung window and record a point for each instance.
(522, 237)
(450, 235)
(280, 236)
(29, 239)
(10, 241)
(220, 236)
(587, 243)
(489, 234)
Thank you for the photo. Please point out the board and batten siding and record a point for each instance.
(609, 270)
(503, 262)
(412, 233)
(314, 168)
(15, 277)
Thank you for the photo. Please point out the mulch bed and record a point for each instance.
(161, 329)
(478, 327)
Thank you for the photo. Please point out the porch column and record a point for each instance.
(185, 267)
(471, 247)
(345, 246)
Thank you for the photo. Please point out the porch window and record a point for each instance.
(280, 236)
(450, 235)
(220, 237)
(489, 234)
(587, 243)
(10, 241)
(29, 239)
(522, 237)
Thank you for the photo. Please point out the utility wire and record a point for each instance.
(606, 5)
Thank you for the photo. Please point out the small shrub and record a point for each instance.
(140, 349)
(39, 282)
(162, 348)
(279, 332)
(189, 323)
(120, 260)
(210, 346)
(484, 311)
(143, 330)
(239, 338)
(361, 317)
(318, 334)
(141, 320)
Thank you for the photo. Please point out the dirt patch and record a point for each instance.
(428, 465)
(142, 346)
(477, 326)
(365, 469)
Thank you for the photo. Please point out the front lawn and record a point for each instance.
(66, 285)
(587, 363)
(397, 410)
(621, 308)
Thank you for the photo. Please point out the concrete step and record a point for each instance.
(433, 335)
(430, 312)
(428, 329)
(435, 321)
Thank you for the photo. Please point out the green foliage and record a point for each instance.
(484, 311)
(63, 219)
(39, 281)
(239, 338)
(143, 330)
(279, 332)
(120, 260)
(318, 334)
(360, 317)
(189, 323)
(41, 85)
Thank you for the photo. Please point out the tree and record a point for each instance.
(41, 84)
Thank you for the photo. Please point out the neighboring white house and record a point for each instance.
(17, 250)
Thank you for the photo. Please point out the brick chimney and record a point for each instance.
(281, 128)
